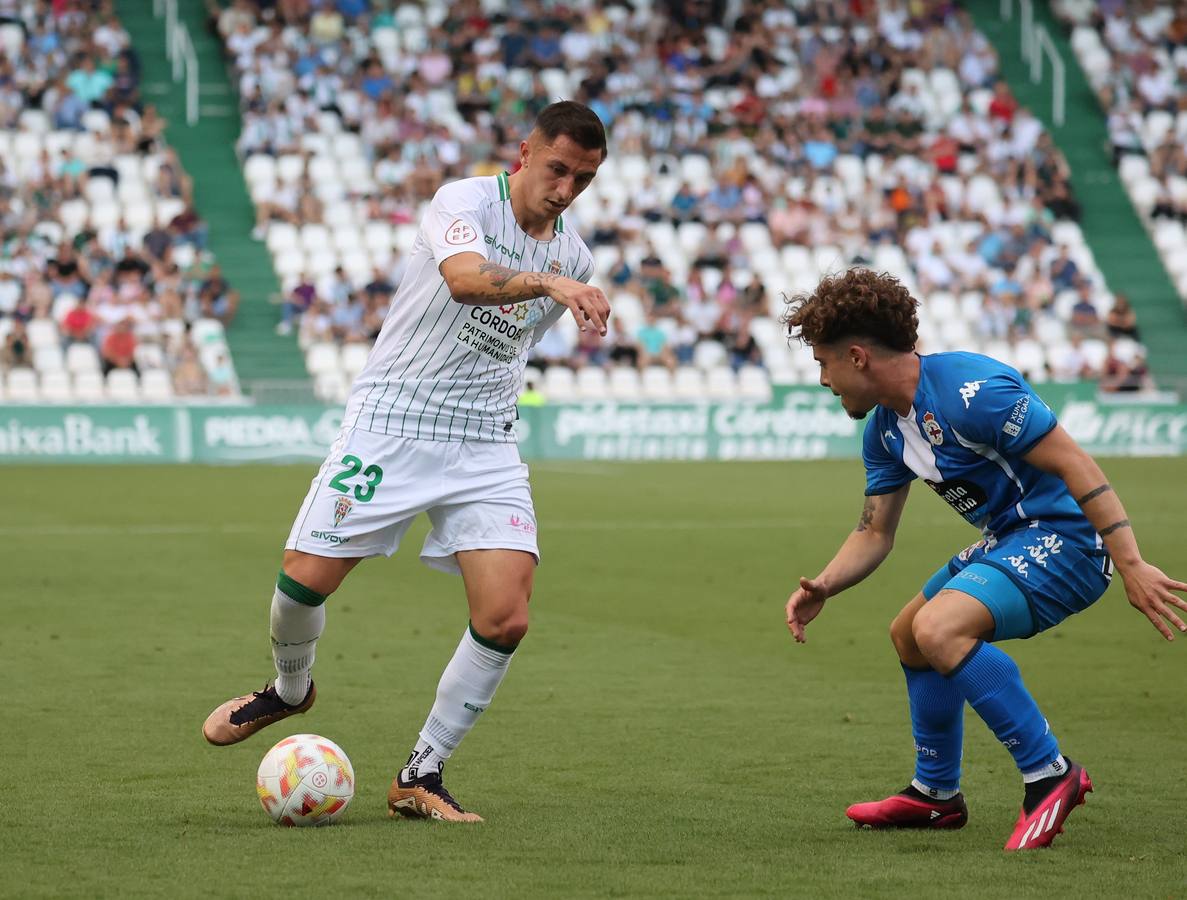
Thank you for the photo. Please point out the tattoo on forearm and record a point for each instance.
(538, 282)
(1094, 493)
(499, 277)
(1124, 523)
(867, 515)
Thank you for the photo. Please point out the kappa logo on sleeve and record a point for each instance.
(969, 390)
(460, 232)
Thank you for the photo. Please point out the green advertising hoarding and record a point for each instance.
(101, 434)
(798, 423)
(263, 433)
(802, 424)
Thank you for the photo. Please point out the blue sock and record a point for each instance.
(937, 721)
(992, 684)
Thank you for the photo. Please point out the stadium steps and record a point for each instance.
(1122, 248)
(207, 152)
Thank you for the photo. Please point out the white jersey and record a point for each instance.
(447, 371)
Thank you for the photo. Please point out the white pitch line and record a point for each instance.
(193, 528)
(144, 530)
(673, 525)
(175, 529)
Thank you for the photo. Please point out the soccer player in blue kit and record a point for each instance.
(1052, 531)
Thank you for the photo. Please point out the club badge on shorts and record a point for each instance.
(342, 505)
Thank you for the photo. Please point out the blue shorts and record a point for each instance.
(1030, 579)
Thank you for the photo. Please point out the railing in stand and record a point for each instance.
(179, 50)
(1035, 41)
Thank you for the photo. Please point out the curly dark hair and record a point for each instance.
(855, 303)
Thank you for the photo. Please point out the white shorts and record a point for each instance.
(371, 486)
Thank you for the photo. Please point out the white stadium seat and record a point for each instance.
(625, 383)
(708, 354)
(49, 359)
(330, 387)
(354, 357)
(688, 383)
(754, 383)
(56, 387)
(721, 383)
(123, 386)
(89, 387)
(322, 357)
(82, 358)
(656, 382)
(592, 383)
(156, 385)
(42, 333)
(559, 384)
(21, 386)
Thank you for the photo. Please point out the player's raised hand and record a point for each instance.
(804, 605)
(588, 304)
(1150, 591)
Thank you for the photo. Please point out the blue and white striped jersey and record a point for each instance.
(972, 421)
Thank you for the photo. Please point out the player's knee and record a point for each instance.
(901, 637)
(931, 633)
(508, 631)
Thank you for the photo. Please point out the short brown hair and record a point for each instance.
(856, 303)
(575, 121)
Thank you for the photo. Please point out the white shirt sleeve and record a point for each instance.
(453, 223)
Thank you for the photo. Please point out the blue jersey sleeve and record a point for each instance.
(1004, 413)
(884, 473)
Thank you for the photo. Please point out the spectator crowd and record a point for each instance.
(103, 267)
(748, 156)
(1135, 55)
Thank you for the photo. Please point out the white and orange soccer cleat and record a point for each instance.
(425, 797)
(1039, 827)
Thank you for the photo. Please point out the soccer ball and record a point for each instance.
(306, 779)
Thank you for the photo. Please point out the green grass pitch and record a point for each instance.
(658, 735)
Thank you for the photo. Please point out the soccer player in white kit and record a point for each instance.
(429, 428)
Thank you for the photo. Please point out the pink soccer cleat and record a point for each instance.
(1039, 827)
(905, 810)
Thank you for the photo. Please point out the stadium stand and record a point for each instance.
(1135, 56)
(106, 292)
(745, 163)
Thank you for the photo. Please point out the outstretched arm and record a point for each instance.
(1149, 589)
(863, 551)
(475, 280)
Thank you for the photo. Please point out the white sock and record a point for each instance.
(295, 630)
(466, 688)
(934, 793)
(1058, 766)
